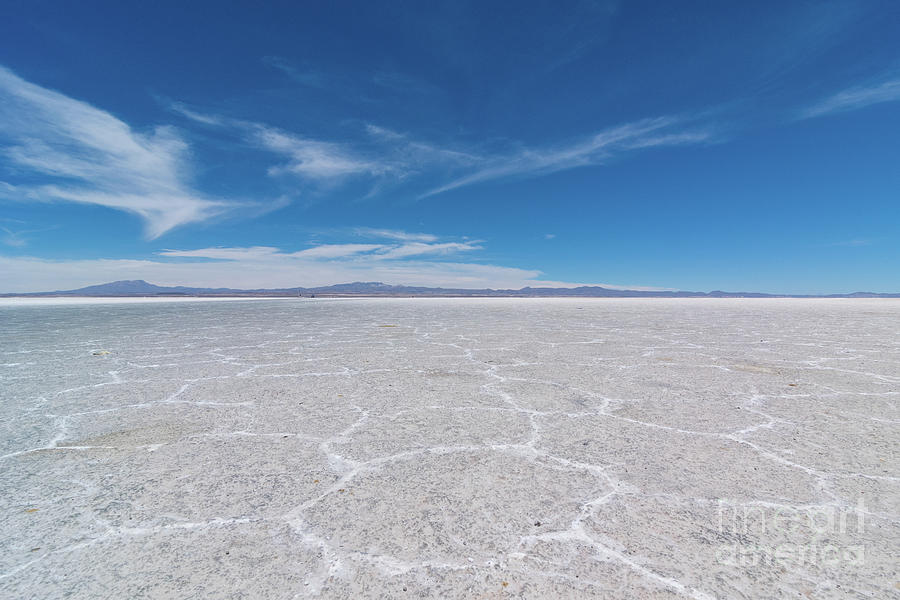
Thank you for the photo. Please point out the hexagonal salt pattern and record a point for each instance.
(439, 448)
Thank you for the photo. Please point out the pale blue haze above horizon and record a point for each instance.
(694, 145)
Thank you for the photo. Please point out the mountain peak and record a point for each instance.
(125, 286)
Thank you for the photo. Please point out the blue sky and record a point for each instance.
(689, 145)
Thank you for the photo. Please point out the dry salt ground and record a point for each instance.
(450, 448)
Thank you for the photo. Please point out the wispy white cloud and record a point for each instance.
(15, 239)
(378, 152)
(399, 157)
(326, 251)
(420, 248)
(18, 238)
(313, 159)
(385, 156)
(306, 77)
(89, 156)
(549, 236)
(388, 157)
(377, 87)
(371, 252)
(393, 234)
(221, 253)
(407, 153)
(855, 98)
(317, 161)
(599, 148)
(186, 111)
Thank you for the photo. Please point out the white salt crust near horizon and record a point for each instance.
(450, 448)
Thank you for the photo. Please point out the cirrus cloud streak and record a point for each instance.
(86, 155)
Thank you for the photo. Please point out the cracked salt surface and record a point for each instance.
(535, 448)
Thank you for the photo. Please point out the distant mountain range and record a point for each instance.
(140, 288)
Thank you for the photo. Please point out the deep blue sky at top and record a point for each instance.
(691, 145)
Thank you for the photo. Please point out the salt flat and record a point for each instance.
(470, 448)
